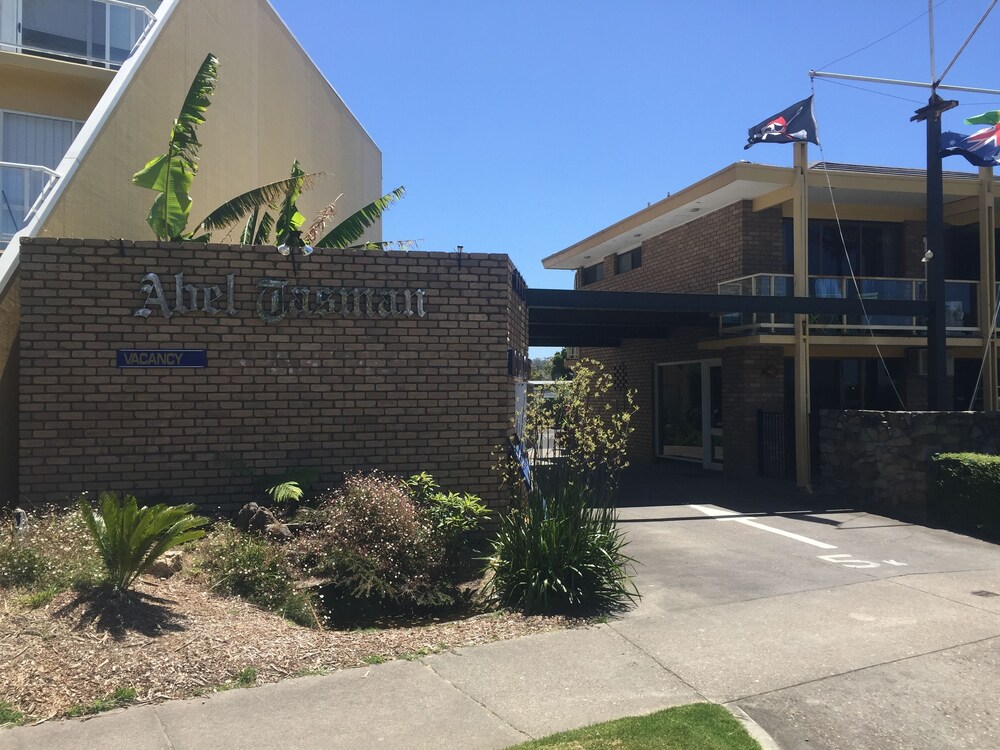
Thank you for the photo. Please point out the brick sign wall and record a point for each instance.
(180, 372)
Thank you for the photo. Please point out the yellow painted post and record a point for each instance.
(987, 284)
(800, 254)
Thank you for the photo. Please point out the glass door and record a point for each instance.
(689, 424)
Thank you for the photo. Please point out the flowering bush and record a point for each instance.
(54, 552)
(255, 569)
(390, 540)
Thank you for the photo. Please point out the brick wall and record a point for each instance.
(728, 243)
(9, 309)
(336, 392)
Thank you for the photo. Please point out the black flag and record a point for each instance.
(794, 125)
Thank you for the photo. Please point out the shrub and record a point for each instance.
(257, 570)
(561, 552)
(55, 552)
(20, 565)
(130, 538)
(965, 493)
(559, 549)
(375, 544)
(451, 516)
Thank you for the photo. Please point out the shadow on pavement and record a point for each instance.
(677, 484)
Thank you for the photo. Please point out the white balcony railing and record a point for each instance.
(97, 32)
(961, 305)
(22, 189)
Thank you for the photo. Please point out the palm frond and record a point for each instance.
(236, 208)
(351, 229)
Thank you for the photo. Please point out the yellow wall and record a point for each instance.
(271, 107)
(49, 87)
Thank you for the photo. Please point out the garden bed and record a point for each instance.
(177, 639)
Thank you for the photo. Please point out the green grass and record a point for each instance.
(40, 598)
(121, 697)
(374, 659)
(700, 726)
(246, 678)
(10, 717)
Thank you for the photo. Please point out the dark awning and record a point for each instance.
(563, 317)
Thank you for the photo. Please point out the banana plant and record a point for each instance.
(260, 221)
(172, 173)
(351, 229)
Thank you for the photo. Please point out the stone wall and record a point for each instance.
(329, 371)
(880, 461)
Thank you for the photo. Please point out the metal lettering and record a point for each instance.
(369, 295)
(387, 305)
(209, 295)
(324, 301)
(180, 287)
(420, 303)
(150, 284)
(299, 303)
(231, 294)
(276, 309)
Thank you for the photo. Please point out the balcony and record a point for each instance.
(22, 188)
(961, 306)
(102, 33)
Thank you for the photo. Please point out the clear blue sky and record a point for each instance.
(522, 127)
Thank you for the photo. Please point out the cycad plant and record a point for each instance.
(130, 538)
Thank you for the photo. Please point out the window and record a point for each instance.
(28, 140)
(101, 32)
(591, 274)
(628, 261)
(874, 248)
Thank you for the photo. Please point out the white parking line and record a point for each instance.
(722, 514)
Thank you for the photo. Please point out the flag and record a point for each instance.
(794, 125)
(982, 147)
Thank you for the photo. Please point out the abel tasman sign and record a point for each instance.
(276, 299)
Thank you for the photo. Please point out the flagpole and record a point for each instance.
(800, 288)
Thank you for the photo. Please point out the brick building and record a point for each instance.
(723, 395)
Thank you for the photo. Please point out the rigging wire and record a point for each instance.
(965, 43)
(872, 91)
(854, 279)
(986, 353)
(882, 39)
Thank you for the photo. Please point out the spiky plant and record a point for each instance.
(130, 538)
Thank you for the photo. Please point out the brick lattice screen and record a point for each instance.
(375, 388)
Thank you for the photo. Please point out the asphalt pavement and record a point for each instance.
(829, 627)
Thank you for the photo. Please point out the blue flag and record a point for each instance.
(981, 148)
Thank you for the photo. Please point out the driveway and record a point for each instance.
(831, 628)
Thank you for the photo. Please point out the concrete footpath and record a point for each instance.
(830, 628)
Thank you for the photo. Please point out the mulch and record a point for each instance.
(175, 639)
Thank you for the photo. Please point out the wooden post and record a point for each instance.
(987, 285)
(800, 232)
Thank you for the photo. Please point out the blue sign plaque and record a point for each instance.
(128, 358)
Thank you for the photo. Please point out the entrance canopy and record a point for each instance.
(562, 317)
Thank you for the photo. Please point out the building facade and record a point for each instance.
(724, 396)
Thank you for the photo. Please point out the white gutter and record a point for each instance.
(10, 258)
